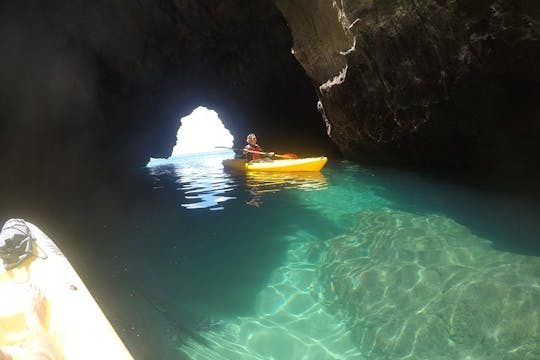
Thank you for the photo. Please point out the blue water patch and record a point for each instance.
(196, 262)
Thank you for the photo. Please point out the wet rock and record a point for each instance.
(437, 84)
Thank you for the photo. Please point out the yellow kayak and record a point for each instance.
(73, 323)
(288, 165)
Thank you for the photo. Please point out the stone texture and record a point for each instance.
(438, 84)
(425, 287)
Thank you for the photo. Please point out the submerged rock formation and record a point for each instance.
(425, 287)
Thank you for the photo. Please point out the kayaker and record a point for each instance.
(252, 150)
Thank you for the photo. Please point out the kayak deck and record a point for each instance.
(74, 321)
(287, 165)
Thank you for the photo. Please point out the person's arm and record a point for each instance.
(264, 154)
(247, 154)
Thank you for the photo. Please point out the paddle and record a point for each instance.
(283, 156)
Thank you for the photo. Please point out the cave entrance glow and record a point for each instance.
(201, 134)
(201, 131)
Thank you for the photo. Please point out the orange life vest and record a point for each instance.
(252, 156)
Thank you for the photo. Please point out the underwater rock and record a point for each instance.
(288, 323)
(427, 288)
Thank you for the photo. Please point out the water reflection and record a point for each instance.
(263, 182)
(206, 185)
(260, 183)
(199, 177)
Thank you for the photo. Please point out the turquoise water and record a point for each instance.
(352, 263)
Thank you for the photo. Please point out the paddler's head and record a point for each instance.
(251, 139)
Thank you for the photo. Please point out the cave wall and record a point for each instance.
(96, 86)
(88, 88)
(426, 83)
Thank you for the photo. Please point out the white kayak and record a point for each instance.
(74, 322)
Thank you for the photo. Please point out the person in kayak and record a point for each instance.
(252, 150)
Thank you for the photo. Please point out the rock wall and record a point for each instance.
(439, 84)
(432, 83)
(92, 87)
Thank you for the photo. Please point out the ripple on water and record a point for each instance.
(289, 322)
(430, 289)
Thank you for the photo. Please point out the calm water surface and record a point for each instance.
(349, 263)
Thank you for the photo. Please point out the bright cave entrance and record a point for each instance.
(201, 132)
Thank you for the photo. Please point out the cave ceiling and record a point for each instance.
(426, 83)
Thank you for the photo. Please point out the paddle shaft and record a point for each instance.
(276, 155)
(286, 156)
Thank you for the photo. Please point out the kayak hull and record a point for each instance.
(76, 325)
(286, 165)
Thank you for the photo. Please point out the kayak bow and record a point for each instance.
(74, 322)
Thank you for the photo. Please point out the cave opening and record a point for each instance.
(201, 131)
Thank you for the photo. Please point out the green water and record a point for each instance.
(353, 263)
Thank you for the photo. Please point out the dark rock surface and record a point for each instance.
(92, 86)
(434, 84)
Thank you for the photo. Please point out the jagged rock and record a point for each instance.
(439, 84)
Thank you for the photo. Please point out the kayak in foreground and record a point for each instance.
(72, 321)
(305, 164)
